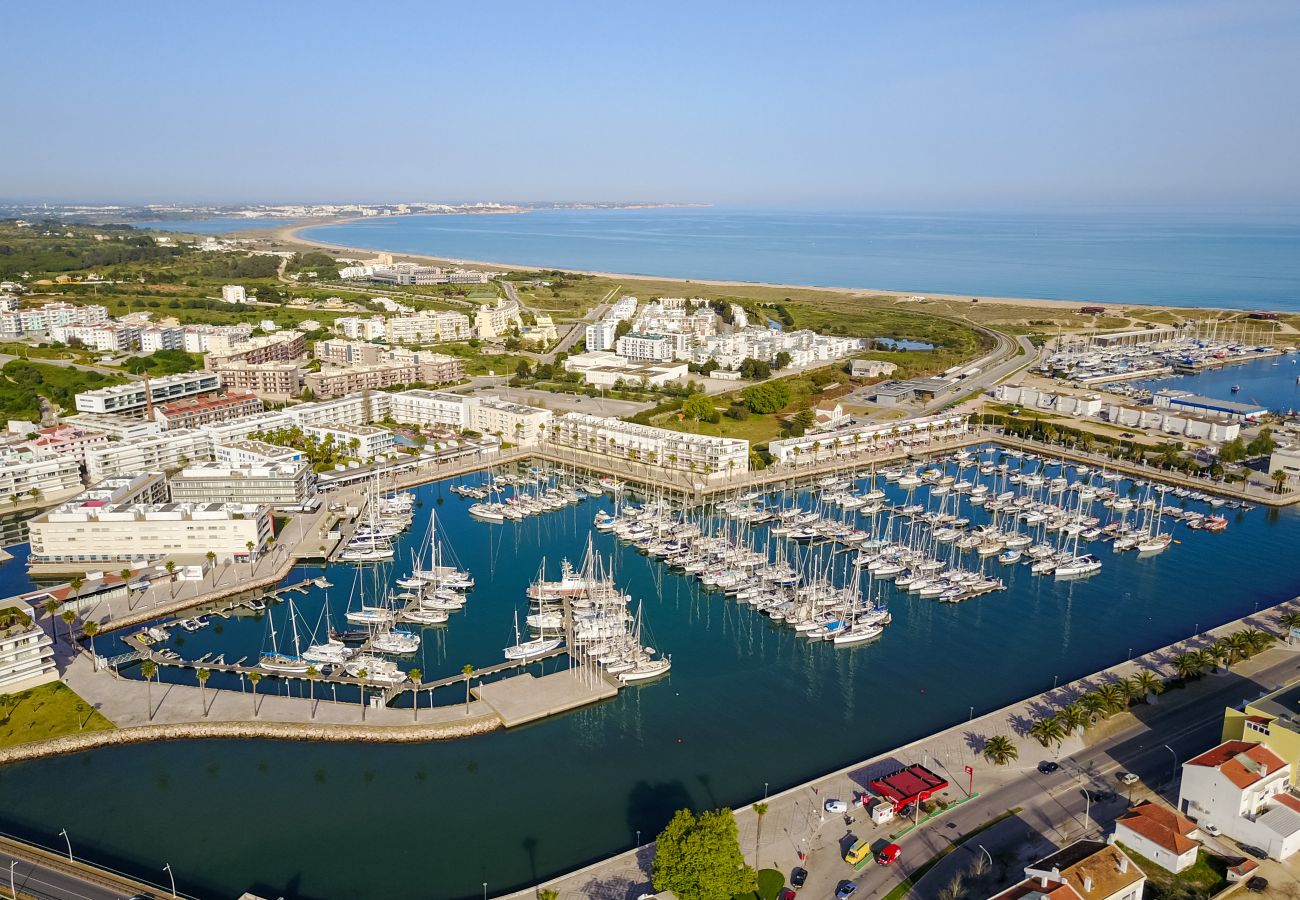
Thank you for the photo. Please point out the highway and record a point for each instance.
(61, 880)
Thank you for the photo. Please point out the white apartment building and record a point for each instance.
(646, 347)
(806, 348)
(123, 428)
(162, 337)
(362, 441)
(362, 328)
(608, 369)
(157, 453)
(86, 532)
(134, 397)
(354, 409)
(429, 327)
(105, 338)
(247, 452)
(425, 407)
(867, 439)
(512, 422)
(1241, 787)
(1285, 458)
(623, 309)
(202, 338)
(237, 429)
(43, 318)
(491, 322)
(705, 455)
(52, 476)
(66, 439)
(278, 485)
(233, 293)
(602, 335)
(26, 650)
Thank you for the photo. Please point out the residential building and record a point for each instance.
(104, 338)
(676, 450)
(868, 438)
(429, 327)
(94, 532)
(871, 368)
(362, 328)
(248, 452)
(407, 368)
(38, 475)
(137, 395)
(362, 441)
(202, 338)
(276, 381)
(287, 346)
(278, 485)
(805, 348)
(195, 411)
(121, 427)
(1160, 834)
(26, 650)
(1272, 720)
(512, 422)
(829, 414)
(238, 429)
(354, 409)
(492, 322)
(542, 331)
(602, 335)
(1084, 870)
(645, 347)
(156, 453)
(233, 293)
(162, 337)
(335, 352)
(43, 318)
(425, 407)
(66, 439)
(1242, 788)
(608, 369)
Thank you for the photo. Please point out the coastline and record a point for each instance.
(290, 234)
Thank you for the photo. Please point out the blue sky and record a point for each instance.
(995, 105)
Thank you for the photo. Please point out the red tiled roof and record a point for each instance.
(1161, 826)
(1225, 758)
(1289, 800)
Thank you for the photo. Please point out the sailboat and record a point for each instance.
(536, 647)
(332, 651)
(276, 661)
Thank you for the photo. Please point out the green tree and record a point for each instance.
(1047, 731)
(1188, 665)
(212, 558)
(149, 669)
(699, 408)
(1113, 697)
(767, 398)
(468, 671)
(1279, 480)
(68, 618)
(1149, 682)
(1073, 718)
(699, 858)
(90, 629)
(312, 674)
(171, 575)
(254, 678)
(782, 360)
(760, 810)
(1000, 750)
(203, 675)
(415, 675)
(1263, 444)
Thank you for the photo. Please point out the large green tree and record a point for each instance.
(699, 858)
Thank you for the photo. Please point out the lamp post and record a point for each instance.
(764, 790)
(638, 837)
(64, 834)
(485, 890)
(167, 867)
(13, 886)
(1175, 756)
(988, 854)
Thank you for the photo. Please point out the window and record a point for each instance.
(1258, 727)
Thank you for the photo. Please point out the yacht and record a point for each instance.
(378, 670)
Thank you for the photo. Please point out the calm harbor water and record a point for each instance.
(1271, 383)
(1127, 258)
(747, 702)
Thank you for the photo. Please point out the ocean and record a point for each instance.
(1178, 260)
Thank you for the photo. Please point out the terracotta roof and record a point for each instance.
(1289, 800)
(1228, 758)
(1032, 889)
(1103, 867)
(1163, 827)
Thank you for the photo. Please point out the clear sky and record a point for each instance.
(858, 104)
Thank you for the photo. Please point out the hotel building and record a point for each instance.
(26, 650)
(699, 453)
(195, 411)
(136, 396)
(279, 484)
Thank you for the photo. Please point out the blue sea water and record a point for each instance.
(213, 226)
(747, 702)
(1125, 258)
(1271, 383)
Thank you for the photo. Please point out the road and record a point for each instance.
(46, 882)
(1009, 356)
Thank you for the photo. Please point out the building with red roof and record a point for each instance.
(1162, 835)
(1242, 788)
(908, 785)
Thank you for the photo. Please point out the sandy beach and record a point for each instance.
(289, 236)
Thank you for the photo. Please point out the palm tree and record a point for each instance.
(361, 677)
(1114, 697)
(1151, 684)
(1287, 621)
(1188, 665)
(1279, 479)
(1132, 690)
(124, 574)
(149, 669)
(548, 894)
(90, 629)
(1073, 718)
(1094, 703)
(415, 675)
(203, 675)
(1048, 730)
(1256, 640)
(1000, 750)
(250, 545)
(760, 810)
(68, 618)
(312, 674)
(468, 671)
(36, 494)
(254, 678)
(76, 582)
(171, 575)
(1239, 644)
(51, 606)
(212, 558)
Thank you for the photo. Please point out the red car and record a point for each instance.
(786, 894)
(889, 854)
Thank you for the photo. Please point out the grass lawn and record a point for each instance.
(770, 882)
(49, 711)
(1204, 879)
(756, 429)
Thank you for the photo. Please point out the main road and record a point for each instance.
(43, 875)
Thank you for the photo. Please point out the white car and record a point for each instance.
(1128, 778)
(836, 806)
(1211, 829)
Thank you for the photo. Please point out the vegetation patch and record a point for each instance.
(46, 712)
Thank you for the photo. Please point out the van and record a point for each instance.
(859, 854)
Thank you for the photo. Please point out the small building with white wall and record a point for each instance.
(1242, 788)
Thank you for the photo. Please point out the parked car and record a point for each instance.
(1047, 767)
(836, 806)
(1257, 885)
(1211, 829)
(786, 894)
(889, 854)
(1128, 778)
(845, 890)
(798, 876)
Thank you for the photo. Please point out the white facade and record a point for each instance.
(370, 440)
(280, 485)
(676, 450)
(247, 452)
(429, 327)
(106, 338)
(608, 369)
(424, 407)
(81, 533)
(491, 322)
(26, 651)
(162, 337)
(156, 453)
(1241, 787)
(43, 318)
(50, 475)
(601, 336)
(646, 347)
(127, 398)
(867, 439)
(233, 293)
(513, 422)
(362, 328)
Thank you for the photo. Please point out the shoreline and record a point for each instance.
(291, 234)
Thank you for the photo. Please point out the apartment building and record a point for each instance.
(66, 439)
(363, 441)
(334, 352)
(155, 453)
(248, 452)
(38, 474)
(195, 411)
(123, 428)
(162, 337)
(425, 407)
(513, 422)
(400, 367)
(105, 338)
(1241, 787)
(492, 322)
(353, 409)
(282, 484)
(233, 293)
(706, 455)
(645, 347)
(805, 348)
(43, 318)
(202, 338)
(238, 429)
(276, 381)
(867, 439)
(428, 327)
(136, 396)
(601, 336)
(26, 650)
(94, 532)
(362, 328)
(288, 346)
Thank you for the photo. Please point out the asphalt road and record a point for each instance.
(41, 882)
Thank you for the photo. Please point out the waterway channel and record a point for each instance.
(747, 703)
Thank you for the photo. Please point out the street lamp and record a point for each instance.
(13, 887)
(485, 890)
(1175, 756)
(988, 854)
(764, 790)
(64, 834)
(167, 867)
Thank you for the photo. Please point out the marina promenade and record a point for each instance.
(795, 822)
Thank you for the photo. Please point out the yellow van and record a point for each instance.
(859, 854)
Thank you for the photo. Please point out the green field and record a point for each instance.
(23, 383)
(45, 712)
